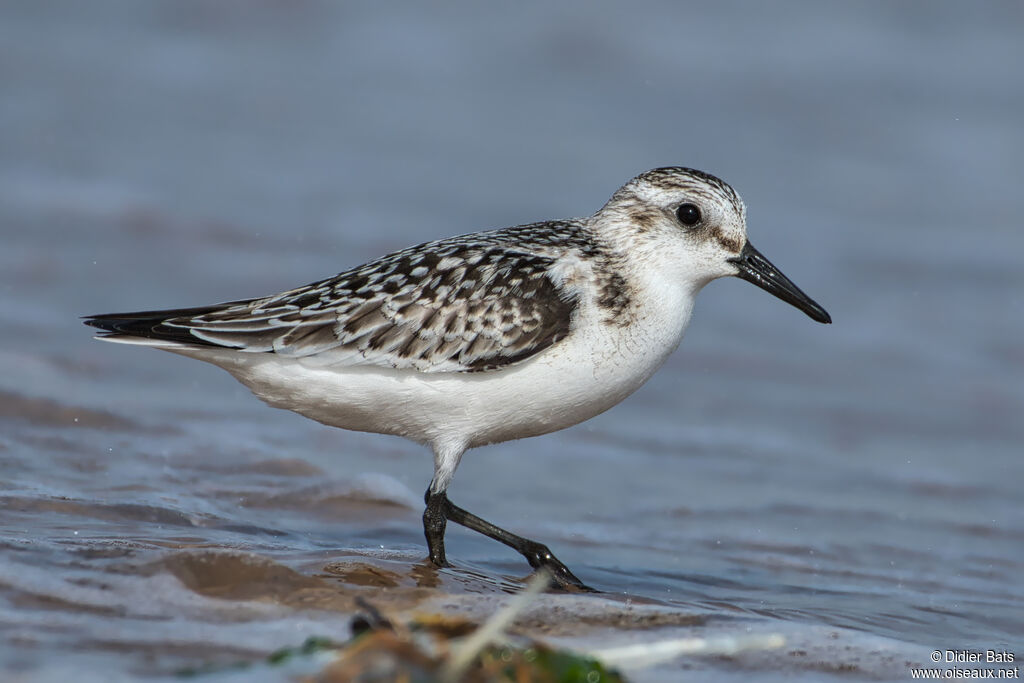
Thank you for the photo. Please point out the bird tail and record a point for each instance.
(152, 328)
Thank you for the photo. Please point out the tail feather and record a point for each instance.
(157, 325)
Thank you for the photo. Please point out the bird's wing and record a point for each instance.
(442, 307)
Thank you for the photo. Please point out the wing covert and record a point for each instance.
(453, 307)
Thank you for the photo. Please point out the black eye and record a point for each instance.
(688, 214)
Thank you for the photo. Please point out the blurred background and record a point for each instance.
(858, 478)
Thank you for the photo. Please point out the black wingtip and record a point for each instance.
(103, 321)
(149, 324)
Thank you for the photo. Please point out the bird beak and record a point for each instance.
(753, 267)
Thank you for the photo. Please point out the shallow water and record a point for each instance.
(854, 487)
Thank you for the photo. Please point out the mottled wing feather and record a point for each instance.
(448, 306)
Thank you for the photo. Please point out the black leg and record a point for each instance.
(434, 523)
(537, 554)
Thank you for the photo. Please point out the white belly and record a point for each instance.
(592, 369)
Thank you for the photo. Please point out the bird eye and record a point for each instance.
(688, 214)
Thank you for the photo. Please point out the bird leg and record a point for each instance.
(440, 510)
(434, 523)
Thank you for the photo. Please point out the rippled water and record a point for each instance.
(854, 487)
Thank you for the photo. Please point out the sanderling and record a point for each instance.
(486, 337)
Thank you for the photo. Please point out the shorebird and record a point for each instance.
(486, 337)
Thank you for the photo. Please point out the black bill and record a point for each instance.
(757, 269)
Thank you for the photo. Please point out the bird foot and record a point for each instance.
(541, 558)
